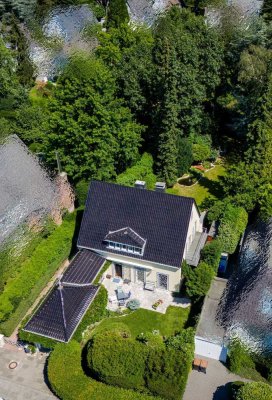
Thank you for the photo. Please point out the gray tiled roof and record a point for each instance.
(62, 310)
(161, 219)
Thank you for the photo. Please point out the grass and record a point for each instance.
(146, 321)
(208, 186)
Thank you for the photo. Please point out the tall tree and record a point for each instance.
(183, 87)
(168, 113)
(94, 134)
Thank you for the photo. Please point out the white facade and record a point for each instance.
(162, 276)
(195, 226)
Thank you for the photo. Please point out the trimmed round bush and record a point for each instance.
(133, 304)
(254, 391)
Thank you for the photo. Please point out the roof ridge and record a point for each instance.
(62, 309)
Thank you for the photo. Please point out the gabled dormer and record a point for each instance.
(125, 240)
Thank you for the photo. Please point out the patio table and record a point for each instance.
(121, 295)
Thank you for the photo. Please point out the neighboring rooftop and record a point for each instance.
(26, 188)
(208, 326)
(64, 307)
(161, 219)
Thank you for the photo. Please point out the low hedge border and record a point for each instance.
(68, 381)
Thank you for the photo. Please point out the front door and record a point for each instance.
(140, 275)
(162, 281)
(118, 270)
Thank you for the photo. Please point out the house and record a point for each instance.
(146, 234)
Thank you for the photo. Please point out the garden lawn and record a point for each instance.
(146, 321)
(208, 186)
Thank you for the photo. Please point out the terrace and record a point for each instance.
(147, 298)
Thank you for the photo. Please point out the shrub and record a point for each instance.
(232, 224)
(117, 361)
(255, 390)
(21, 291)
(133, 304)
(198, 280)
(185, 155)
(68, 381)
(82, 188)
(144, 363)
(142, 170)
(201, 152)
(239, 358)
(211, 253)
(31, 338)
(167, 371)
(182, 340)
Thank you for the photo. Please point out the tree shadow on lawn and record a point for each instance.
(215, 188)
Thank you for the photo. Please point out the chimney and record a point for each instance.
(140, 185)
(160, 187)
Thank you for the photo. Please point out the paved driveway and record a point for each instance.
(212, 385)
(26, 382)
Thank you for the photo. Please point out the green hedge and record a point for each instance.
(69, 382)
(232, 225)
(18, 247)
(242, 362)
(211, 253)
(255, 391)
(160, 367)
(21, 291)
(118, 361)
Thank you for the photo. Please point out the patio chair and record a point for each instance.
(113, 299)
(121, 303)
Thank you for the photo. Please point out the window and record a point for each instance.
(162, 281)
(125, 248)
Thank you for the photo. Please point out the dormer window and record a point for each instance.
(125, 240)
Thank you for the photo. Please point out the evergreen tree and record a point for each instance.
(168, 113)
